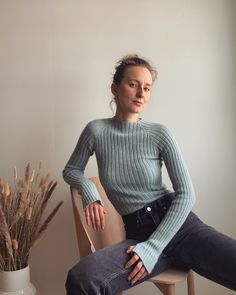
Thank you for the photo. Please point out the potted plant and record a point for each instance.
(22, 225)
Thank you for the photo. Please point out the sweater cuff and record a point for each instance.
(89, 193)
(148, 257)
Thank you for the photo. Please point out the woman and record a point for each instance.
(161, 230)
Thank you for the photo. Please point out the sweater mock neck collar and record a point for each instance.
(125, 125)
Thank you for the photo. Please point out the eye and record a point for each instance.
(133, 84)
(147, 89)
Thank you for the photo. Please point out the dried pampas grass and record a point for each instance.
(22, 207)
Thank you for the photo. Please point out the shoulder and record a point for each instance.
(157, 129)
(94, 127)
(161, 135)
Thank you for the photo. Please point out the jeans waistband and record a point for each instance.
(162, 203)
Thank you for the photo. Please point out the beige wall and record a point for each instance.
(56, 62)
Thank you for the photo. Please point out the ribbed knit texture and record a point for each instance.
(130, 156)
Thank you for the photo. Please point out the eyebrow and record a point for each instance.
(147, 84)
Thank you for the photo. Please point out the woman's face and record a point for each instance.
(133, 93)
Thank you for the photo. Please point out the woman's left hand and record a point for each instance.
(139, 272)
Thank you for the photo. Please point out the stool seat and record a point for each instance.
(170, 276)
(167, 280)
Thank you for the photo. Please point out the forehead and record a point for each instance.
(138, 73)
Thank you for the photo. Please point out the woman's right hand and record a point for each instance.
(95, 215)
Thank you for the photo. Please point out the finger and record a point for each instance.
(140, 275)
(133, 260)
(135, 271)
(102, 217)
(130, 249)
(87, 216)
(144, 275)
(97, 218)
(92, 218)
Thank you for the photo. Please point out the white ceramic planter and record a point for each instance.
(16, 282)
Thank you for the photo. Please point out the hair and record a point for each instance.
(129, 61)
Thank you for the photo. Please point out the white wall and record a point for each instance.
(56, 64)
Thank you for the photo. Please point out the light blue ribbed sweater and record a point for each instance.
(130, 156)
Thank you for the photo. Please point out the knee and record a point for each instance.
(72, 282)
(73, 277)
(82, 279)
(76, 277)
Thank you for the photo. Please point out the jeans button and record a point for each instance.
(148, 209)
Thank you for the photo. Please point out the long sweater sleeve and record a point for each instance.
(150, 250)
(73, 173)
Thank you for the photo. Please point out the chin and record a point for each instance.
(136, 111)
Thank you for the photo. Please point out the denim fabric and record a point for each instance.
(140, 224)
(196, 246)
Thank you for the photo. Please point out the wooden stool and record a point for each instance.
(167, 280)
(89, 240)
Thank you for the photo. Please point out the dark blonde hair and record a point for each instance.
(129, 61)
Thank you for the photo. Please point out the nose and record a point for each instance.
(140, 92)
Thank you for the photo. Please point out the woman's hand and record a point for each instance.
(95, 215)
(139, 272)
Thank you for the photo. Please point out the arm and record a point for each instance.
(73, 173)
(150, 250)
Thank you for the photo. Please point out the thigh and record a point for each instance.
(205, 250)
(104, 270)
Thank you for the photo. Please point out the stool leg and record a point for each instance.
(166, 289)
(190, 283)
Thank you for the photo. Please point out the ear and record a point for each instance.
(114, 89)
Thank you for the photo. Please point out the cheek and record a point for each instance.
(129, 92)
(126, 96)
(147, 98)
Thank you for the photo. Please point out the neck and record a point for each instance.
(127, 117)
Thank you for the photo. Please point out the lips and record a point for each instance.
(138, 103)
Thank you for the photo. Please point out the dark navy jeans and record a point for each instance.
(196, 246)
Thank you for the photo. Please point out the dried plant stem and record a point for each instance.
(44, 226)
(4, 231)
(21, 210)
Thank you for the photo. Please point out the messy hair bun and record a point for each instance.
(129, 61)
